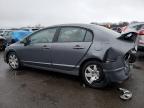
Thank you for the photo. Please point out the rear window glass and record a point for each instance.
(88, 37)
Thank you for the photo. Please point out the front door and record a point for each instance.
(38, 51)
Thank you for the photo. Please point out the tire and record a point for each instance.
(92, 75)
(13, 61)
(1, 45)
(1, 48)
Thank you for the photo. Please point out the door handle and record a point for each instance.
(78, 47)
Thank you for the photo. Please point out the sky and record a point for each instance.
(18, 13)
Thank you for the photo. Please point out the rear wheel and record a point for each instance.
(13, 61)
(93, 76)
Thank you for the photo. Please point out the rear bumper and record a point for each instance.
(117, 72)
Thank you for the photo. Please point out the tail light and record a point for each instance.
(141, 36)
(141, 32)
(141, 41)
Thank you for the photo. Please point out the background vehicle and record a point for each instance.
(1, 32)
(2, 43)
(135, 27)
(140, 40)
(14, 36)
(4, 32)
(136, 30)
(117, 29)
(95, 53)
(31, 29)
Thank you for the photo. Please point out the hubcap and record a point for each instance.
(92, 73)
(13, 61)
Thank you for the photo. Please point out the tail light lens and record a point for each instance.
(141, 36)
(141, 32)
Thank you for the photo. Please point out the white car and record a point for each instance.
(136, 29)
(140, 40)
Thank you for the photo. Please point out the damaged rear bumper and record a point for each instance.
(117, 71)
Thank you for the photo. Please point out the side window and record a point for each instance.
(142, 27)
(139, 27)
(88, 37)
(71, 34)
(44, 36)
(134, 27)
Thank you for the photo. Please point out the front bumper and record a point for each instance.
(117, 71)
(3, 44)
(5, 54)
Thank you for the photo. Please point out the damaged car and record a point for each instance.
(93, 52)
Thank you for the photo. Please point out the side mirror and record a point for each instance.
(25, 41)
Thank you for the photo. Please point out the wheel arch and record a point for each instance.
(10, 51)
(87, 60)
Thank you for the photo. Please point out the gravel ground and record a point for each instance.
(32, 88)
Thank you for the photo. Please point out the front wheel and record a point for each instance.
(1, 48)
(93, 76)
(13, 61)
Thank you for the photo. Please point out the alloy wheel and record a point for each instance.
(13, 61)
(92, 73)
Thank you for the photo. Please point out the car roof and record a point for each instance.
(100, 31)
(138, 23)
(88, 26)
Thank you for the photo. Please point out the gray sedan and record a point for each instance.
(94, 53)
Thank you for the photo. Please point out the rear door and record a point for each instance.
(71, 46)
(38, 51)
